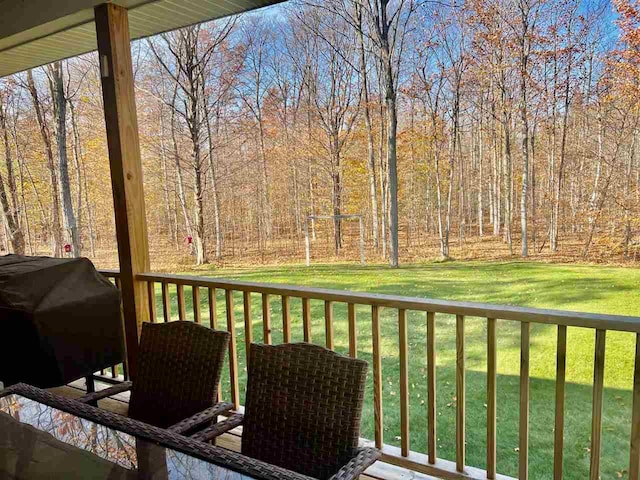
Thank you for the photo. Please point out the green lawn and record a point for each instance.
(583, 288)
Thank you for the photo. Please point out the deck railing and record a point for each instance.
(404, 456)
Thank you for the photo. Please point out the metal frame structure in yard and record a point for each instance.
(307, 238)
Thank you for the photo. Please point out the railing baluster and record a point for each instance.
(151, 293)
(114, 368)
(166, 302)
(353, 331)
(328, 321)
(377, 375)
(286, 320)
(213, 323)
(248, 323)
(596, 414)
(266, 319)
(491, 398)
(213, 314)
(460, 394)
(233, 354)
(306, 319)
(525, 334)
(431, 386)
(182, 312)
(634, 450)
(195, 295)
(561, 365)
(404, 383)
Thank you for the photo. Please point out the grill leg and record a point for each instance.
(91, 387)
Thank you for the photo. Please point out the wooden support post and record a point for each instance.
(116, 71)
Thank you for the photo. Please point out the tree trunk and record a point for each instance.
(10, 208)
(55, 226)
(60, 113)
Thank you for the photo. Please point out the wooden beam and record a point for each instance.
(114, 52)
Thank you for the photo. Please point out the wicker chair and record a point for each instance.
(302, 411)
(178, 370)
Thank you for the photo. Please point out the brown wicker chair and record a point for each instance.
(178, 370)
(302, 411)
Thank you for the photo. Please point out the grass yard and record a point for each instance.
(583, 288)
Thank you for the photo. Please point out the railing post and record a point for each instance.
(525, 334)
(377, 375)
(492, 364)
(460, 394)
(634, 450)
(561, 364)
(116, 71)
(431, 387)
(596, 414)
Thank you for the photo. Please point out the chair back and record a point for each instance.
(303, 407)
(178, 370)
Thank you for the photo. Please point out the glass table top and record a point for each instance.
(41, 442)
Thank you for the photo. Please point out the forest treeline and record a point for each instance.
(440, 123)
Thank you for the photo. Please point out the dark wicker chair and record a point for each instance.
(177, 375)
(302, 411)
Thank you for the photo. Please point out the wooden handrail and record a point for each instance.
(471, 309)
(404, 456)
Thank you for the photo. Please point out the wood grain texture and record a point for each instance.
(404, 383)
(166, 302)
(125, 162)
(558, 434)
(596, 414)
(377, 376)
(286, 319)
(248, 323)
(306, 319)
(460, 394)
(328, 324)
(492, 365)
(195, 297)
(523, 454)
(266, 319)
(431, 388)
(233, 353)
(353, 331)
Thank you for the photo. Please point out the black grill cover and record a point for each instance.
(59, 320)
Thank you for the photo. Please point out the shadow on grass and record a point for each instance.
(506, 283)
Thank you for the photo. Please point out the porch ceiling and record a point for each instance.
(37, 32)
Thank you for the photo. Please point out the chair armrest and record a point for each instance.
(219, 428)
(364, 458)
(202, 417)
(107, 392)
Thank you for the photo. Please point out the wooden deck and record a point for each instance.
(118, 404)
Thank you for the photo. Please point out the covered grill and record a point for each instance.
(59, 320)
